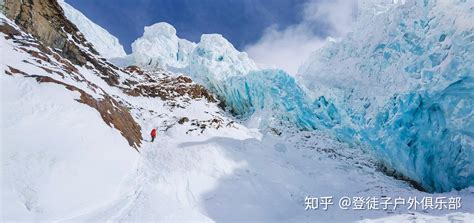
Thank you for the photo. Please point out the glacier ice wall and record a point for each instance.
(107, 45)
(400, 85)
(246, 89)
(276, 99)
(405, 80)
(405, 91)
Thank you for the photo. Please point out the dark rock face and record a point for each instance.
(45, 20)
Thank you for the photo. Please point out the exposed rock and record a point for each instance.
(202, 125)
(397, 175)
(42, 31)
(183, 120)
(9, 31)
(111, 111)
(45, 20)
(165, 87)
(170, 88)
(134, 69)
(14, 71)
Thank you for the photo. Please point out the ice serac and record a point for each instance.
(233, 76)
(106, 44)
(408, 88)
(215, 58)
(272, 98)
(160, 47)
(405, 91)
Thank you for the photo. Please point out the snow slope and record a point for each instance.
(56, 152)
(53, 148)
(207, 167)
(107, 45)
(240, 175)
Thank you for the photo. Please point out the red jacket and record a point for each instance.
(153, 133)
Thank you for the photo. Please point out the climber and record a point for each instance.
(153, 134)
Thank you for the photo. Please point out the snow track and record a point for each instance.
(213, 177)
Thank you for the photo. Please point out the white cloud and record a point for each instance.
(288, 48)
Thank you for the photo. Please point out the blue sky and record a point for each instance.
(242, 22)
(280, 33)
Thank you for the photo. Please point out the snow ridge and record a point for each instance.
(106, 44)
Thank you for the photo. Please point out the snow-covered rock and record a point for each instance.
(64, 153)
(106, 44)
(59, 157)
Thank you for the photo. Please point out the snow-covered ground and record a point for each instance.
(56, 166)
(419, 218)
(236, 174)
(58, 157)
(62, 162)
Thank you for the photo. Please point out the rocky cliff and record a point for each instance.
(45, 20)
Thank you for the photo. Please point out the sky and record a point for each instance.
(276, 33)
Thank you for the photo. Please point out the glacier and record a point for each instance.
(405, 93)
(106, 44)
(277, 97)
(214, 168)
(408, 89)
